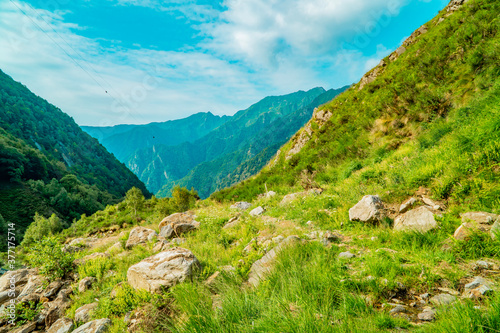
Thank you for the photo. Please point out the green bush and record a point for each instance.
(49, 257)
(41, 227)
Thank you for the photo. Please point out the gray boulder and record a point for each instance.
(443, 299)
(257, 211)
(84, 313)
(164, 269)
(140, 235)
(370, 209)
(63, 325)
(420, 219)
(95, 326)
(177, 224)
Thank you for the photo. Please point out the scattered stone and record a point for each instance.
(443, 299)
(140, 235)
(427, 315)
(177, 224)
(95, 326)
(420, 219)
(481, 264)
(164, 269)
(83, 314)
(346, 255)
(62, 325)
(90, 257)
(479, 217)
(86, 283)
(52, 289)
(431, 203)
(270, 194)
(449, 291)
(233, 222)
(261, 268)
(242, 205)
(478, 288)
(292, 197)
(332, 237)
(405, 206)
(257, 211)
(398, 309)
(369, 210)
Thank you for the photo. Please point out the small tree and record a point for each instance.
(183, 199)
(135, 199)
(48, 255)
(41, 227)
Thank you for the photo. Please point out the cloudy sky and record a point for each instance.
(107, 62)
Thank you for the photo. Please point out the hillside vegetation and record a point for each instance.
(314, 250)
(49, 165)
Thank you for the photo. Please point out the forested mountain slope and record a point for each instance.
(48, 164)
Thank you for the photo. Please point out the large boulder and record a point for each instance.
(84, 313)
(140, 235)
(420, 219)
(63, 325)
(370, 209)
(95, 326)
(177, 224)
(19, 277)
(262, 267)
(164, 269)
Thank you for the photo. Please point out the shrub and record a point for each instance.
(41, 227)
(50, 258)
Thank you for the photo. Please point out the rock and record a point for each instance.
(63, 325)
(261, 268)
(83, 314)
(140, 235)
(86, 283)
(34, 282)
(481, 264)
(399, 51)
(478, 288)
(90, 257)
(80, 242)
(178, 241)
(346, 255)
(455, 5)
(57, 308)
(160, 246)
(234, 221)
(164, 269)
(257, 211)
(464, 231)
(405, 206)
(26, 328)
(270, 194)
(53, 288)
(427, 315)
(19, 277)
(443, 299)
(369, 210)
(420, 219)
(291, 197)
(398, 309)
(241, 205)
(479, 217)
(177, 224)
(495, 230)
(332, 237)
(431, 203)
(95, 326)
(115, 248)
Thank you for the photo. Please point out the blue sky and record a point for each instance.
(137, 61)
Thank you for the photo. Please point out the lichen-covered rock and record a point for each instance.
(95, 326)
(177, 224)
(164, 269)
(420, 219)
(63, 325)
(370, 209)
(140, 235)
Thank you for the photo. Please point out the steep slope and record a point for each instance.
(413, 106)
(48, 164)
(163, 165)
(124, 140)
(252, 155)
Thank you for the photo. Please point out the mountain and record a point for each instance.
(251, 154)
(124, 140)
(206, 152)
(49, 165)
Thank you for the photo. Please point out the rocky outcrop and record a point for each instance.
(372, 75)
(63, 325)
(261, 268)
(164, 269)
(257, 211)
(177, 224)
(95, 326)
(20, 277)
(140, 235)
(370, 210)
(83, 314)
(420, 219)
